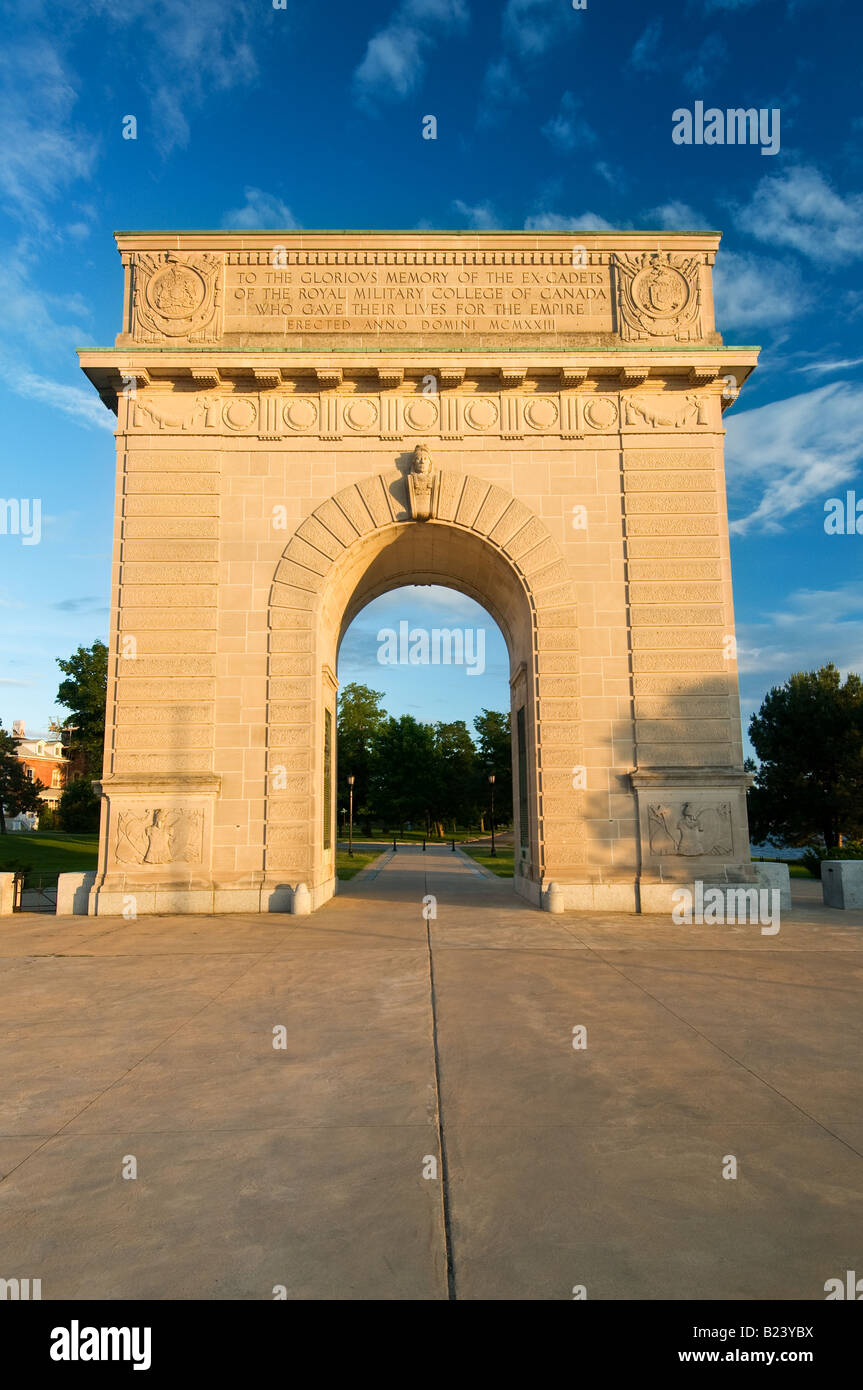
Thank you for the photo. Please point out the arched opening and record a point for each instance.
(362, 543)
(424, 725)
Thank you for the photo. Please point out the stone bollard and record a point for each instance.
(554, 898)
(301, 900)
(73, 893)
(775, 876)
(7, 894)
(453, 846)
(842, 883)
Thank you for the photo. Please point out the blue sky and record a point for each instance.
(311, 116)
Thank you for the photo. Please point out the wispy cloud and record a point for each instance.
(41, 151)
(794, 452)
(188, 52)
(482, 216)
(260, 210)
(79, 402)
(800, 210)
(675, 215)
(396, 57)
(646, 55)
(753, 292)
(568, 130)
(812, 627)
(562, 222)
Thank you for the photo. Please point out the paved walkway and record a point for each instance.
(305, 1166)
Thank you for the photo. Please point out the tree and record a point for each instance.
(359, 722)
(18, 794)
(808, 735)
(494, 754)
(454, 782)
(78, 808)
(402, 784)
(84, 692)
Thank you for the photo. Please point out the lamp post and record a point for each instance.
(491, 787)
(351, 816)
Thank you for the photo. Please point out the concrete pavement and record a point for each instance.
(411, 1044)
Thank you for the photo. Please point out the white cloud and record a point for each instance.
(479, 215)
(560, 222)
(187, 51)
(645, 55)
(262, 210)
(796, 452)
(81, 403)
(800, 210)
(396, 57)
(530, 27)
(825, 368)
(815, 626)
(676, 216)
(751, 291)
(41, 152)
(705, 63)
(568, 130)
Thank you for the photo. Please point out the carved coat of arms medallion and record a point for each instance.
(657, 294)
(176, 297)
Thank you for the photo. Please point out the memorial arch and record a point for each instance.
(307, 420)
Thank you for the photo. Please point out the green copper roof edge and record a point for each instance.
(420, 351)
(405, 231)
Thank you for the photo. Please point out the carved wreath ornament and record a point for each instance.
(658, 294)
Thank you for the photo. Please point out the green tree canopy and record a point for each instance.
(808, 735)
(359, 722)
(78, 808)
(403, 773)
(18, 795)
(83, 692)
(494, 754)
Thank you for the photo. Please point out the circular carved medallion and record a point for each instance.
(481, 414)
(177, 292)
(660, 291)
(361, 414)
(239, 414)
(541, 413)
(300, 414)
(421, 414)
(600, 412)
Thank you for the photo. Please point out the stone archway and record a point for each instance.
(481, 540)
(271, 391)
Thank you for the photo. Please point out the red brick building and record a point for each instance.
(43, 759)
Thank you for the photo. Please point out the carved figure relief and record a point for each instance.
(657, 294)
(422, 484)
(159, 837)
(176, 297)
(690, 830)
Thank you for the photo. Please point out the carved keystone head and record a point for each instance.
(422, 461)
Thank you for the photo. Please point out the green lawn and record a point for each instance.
(502, 864)
(347, 867)
(45, 854)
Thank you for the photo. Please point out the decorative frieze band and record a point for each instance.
(390, 415)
